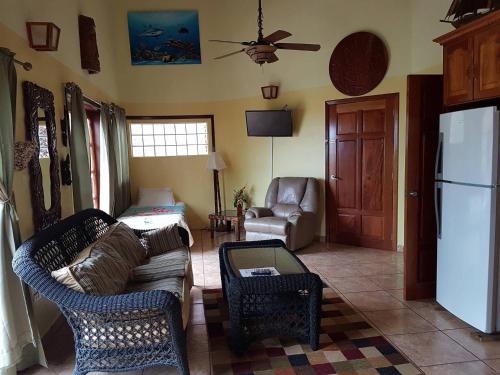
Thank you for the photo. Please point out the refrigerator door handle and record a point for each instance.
(439, 158)
(438, 191)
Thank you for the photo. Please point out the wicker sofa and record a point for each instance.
(124, 332)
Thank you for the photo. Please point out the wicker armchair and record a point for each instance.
(112, 333)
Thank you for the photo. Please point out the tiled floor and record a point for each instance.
(371, 280)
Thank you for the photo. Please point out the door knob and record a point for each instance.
(333, 177)
(413, 194)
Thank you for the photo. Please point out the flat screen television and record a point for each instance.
(272, 123)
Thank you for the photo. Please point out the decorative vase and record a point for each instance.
(239, 210)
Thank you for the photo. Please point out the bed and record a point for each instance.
(156, 209)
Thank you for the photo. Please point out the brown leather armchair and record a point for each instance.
(290, 213)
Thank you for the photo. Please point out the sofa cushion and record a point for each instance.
(171, 284)
(162, 240)
(95, 271)
(170, 264)
(122, 239)
(272, 225)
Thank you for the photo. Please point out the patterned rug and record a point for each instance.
(348, 346)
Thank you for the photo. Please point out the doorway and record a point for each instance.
(361, 171)
(425, 103)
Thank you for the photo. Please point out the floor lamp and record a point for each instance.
(216, 163)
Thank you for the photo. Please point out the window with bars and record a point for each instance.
(172, 138)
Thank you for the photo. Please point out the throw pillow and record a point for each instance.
(122, 239)
(95, 271)
(162, 240)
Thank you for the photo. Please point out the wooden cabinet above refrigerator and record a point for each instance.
(471, 61)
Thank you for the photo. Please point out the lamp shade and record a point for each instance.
(43, 36)
(215, 162)
(270, 92)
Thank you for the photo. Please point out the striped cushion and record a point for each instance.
(96, 271)
(162, 240)
(122, 239)
(172, 284)
(170, 264)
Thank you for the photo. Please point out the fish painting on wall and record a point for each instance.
(164, 38)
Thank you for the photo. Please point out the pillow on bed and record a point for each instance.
(161, 240)
(155, 197)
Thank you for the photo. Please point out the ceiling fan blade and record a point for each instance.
(229, 54)
(272, 58)
(230, 41)
(298, 46)
(277, 35)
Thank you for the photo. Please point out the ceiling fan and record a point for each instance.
(263, 49)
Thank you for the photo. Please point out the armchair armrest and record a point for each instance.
(299, 217)
(256, 212)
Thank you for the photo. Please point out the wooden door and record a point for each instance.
(361, 171)
(424, 106)
(458, 67)
(487, 63)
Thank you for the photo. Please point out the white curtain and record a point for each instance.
(16, 328)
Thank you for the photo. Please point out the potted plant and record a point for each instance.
(240, 198)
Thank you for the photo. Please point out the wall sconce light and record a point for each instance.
(270, 92)
(43, 36)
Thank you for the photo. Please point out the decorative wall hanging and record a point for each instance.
(358, 63)
(23, 153)
(44, 165)
(89, 54)
(66, 171)
(164, 38)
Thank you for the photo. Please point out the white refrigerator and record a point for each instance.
(468, 219)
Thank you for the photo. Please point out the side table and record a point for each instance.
(229, 217)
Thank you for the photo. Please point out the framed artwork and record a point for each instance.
(164, 38)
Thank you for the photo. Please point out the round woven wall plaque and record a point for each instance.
(358, 63)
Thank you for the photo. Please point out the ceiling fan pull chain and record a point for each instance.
(259, 22)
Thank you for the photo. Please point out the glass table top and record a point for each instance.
(281, 259)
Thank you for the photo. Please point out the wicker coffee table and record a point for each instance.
(286, 305)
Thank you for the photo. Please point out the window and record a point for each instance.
(169, 138)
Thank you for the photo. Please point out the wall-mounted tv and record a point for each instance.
(272, 123)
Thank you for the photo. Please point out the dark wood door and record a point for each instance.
(424, 106)
(361, 171)
(458, 67)
(487, 63)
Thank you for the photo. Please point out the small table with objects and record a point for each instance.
(228, 217)
(269, 292)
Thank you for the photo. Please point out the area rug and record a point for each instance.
(348, 345)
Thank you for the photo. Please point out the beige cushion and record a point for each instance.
(162, 240)
(95, 271)
(172, 284)
(179, 286)
(122, 239)
(170, 264)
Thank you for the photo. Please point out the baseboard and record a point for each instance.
(320, 238)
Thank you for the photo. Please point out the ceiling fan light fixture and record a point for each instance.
(270, 92)
(261, 54)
